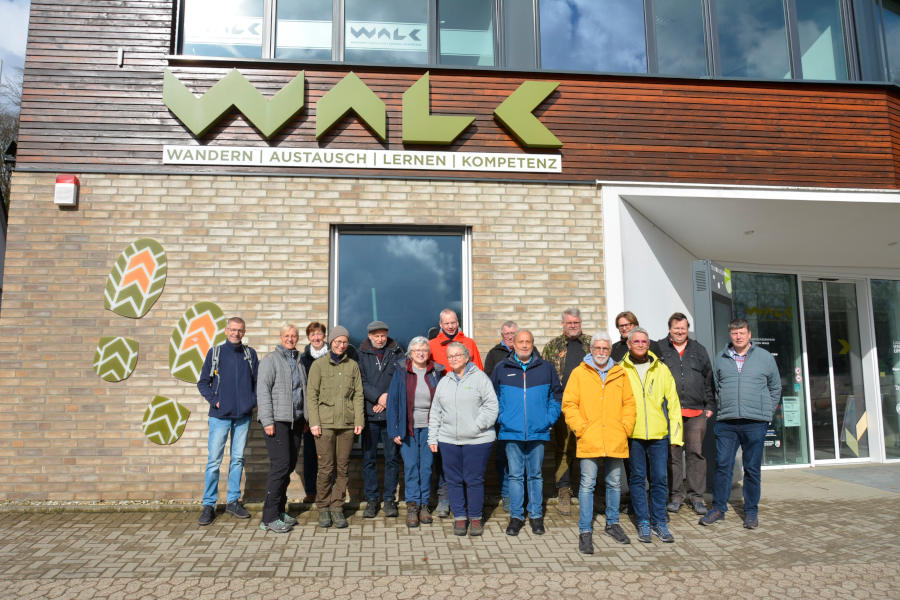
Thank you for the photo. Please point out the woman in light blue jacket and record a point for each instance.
(461, 427)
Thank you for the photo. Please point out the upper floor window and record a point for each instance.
(230, 28)
(891, 16)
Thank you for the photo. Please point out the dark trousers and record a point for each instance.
(333, 449)
(464, 467)
(750, 437)
(283, 448)
(563, 453)
(374, 432)
(688, 462)
(310, 463)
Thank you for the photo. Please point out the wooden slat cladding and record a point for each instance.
(81, 111)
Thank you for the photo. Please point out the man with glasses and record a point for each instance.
(625, 322)
(565, 352)
(228, 382)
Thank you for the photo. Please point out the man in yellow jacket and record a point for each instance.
(658, 425)
(599, 409)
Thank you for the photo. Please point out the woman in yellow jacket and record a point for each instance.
(658, 426)
(599, 409)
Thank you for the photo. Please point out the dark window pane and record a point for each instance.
(593, 35)
(518, 34)
(387, 32)
(886, 311)
(231, 28)
(680, 42)
(403, 280)
(753, 39)
(303, 29)
(467, 32)
(892, 35)
(821, 40)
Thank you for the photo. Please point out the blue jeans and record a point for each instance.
(219, 429)
(525, 458)
(751, 437)
(658, 453)
(612, 468)
(374, 432)
(464, 468)
(417, 466)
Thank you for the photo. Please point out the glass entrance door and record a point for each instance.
(834, 365)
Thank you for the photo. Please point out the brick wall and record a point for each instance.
(68, 435)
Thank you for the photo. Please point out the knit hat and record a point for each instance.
(336, 332)
(376, 326)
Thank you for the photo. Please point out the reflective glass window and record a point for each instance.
(303, 29)
(892, 35)
(386, 32)
(886, 311)
(231, 28)
(467, 32)
(403, 280)
(753, 39)
(680, 41)
(518, 34)
(821, 40)
(593, 35)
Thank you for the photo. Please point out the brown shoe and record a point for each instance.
(476, 527)
(425, 516)
(564, 505)
(412, 515)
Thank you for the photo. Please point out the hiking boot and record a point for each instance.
(390, 509)
(673, 507)
(309, 499)
(476, 527)
(644, 533)
(443, 508)
(699, 507)
(207, 515)
(564, 504)
(324, 517)
(751, 521)
(460, 526)
(412, 514)
(371, 509)
(237, 509)
(712, 516)
(425, 516)
(662, 532)
(278, 526)
(537, 526)
(515, 525)
(337, 515)
(288, 519)
(586, 543)
(504, 504)
(616, 532)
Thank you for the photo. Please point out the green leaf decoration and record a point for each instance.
(115, 358)
(200, 328)
(137, 279)
(164, 421)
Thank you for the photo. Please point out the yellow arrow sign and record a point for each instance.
(845, 346)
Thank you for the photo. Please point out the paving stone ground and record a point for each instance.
(819, 537)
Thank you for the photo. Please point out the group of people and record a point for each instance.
(637, 407)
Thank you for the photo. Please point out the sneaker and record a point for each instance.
(699, 507)
(616, 532)
(504, 503)
(564, 505)
(309, 498)
(673, 507)
(586, 543)
(712, 516)
(288, 519)
(390, 509)
(751, 521)
(662, 532)
(412, 514)
(337, 515)
(515, 525)
(476, 527)
(371, 509)
(460, 526)
(324, 517)
(207, 515)
(537, 526)
(237, 509)
(443, 508)
(425, 516)
(278, 526)
(643, 530)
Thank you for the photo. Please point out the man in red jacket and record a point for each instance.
(450, 333)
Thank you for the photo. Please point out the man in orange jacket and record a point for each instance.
(450, 333)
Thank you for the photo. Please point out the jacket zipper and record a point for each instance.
(525, 402)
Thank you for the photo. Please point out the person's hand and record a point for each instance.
(434, 447)
(381, 405)
(316, 430)
(708, 413)
(270, 430)
(217, 405)
(397, 440)
(357, 430)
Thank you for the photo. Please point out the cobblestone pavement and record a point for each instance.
(818, 537)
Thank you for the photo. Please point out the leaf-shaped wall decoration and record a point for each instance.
(137, 279)
(115, 358)
(200, 328)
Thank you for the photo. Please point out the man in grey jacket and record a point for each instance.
(748, 388)
(281, 405)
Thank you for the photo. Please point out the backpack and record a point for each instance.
(214, 366)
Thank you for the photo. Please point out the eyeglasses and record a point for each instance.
(455, 356)
(601, 350)
(339, 343)
(420, 351)
(640, 342)
(624, 325)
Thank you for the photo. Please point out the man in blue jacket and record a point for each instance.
(530, 397)
(748, 388)
(228, 382)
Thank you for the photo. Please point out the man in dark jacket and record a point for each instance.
(495, 356)
(230, 389)
(378, 356)
(689, 363)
